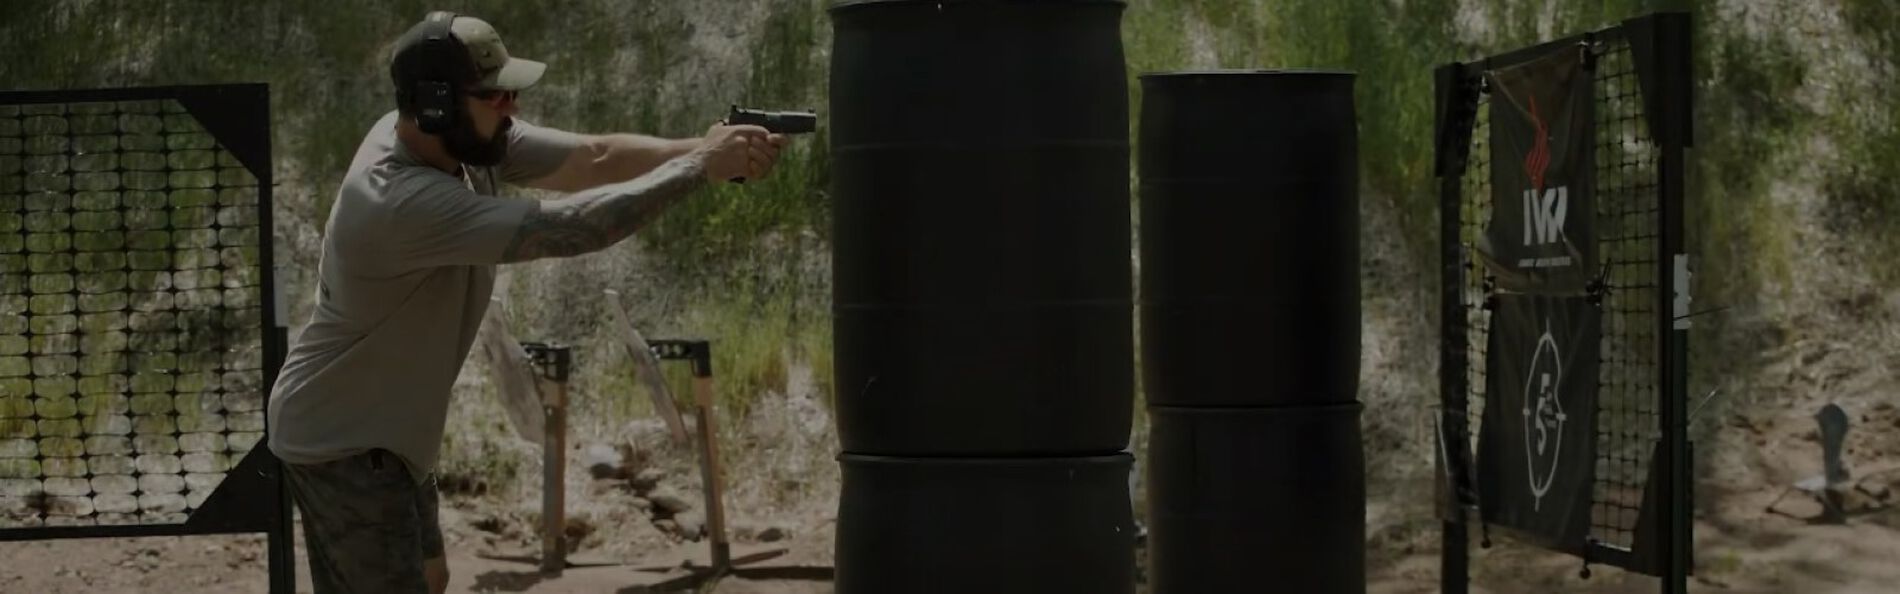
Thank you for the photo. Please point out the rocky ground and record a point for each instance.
(636, 516)
(637, 521)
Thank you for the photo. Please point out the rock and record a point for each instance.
(1881, 492)
(603, 461)
(690, 524)
(642, 504)
(669, 501)
(773, 534)
(646, 479)
(667, 526)
(606, 487)
(578, 528)
(742, 532)
(649, 435)
(489, 524)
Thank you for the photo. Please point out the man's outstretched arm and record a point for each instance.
(599, 160)
(592, 220)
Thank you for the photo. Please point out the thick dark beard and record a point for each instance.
(465, 146)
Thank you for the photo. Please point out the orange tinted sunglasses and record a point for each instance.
(492, 94)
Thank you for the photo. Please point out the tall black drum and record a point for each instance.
(980, 226)
(1249, 238)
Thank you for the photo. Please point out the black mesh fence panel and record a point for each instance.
(1628, 220)
(131, 349)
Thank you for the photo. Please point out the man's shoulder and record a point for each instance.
(384, 170)
(395, 186)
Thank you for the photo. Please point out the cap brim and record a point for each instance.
(516, 75)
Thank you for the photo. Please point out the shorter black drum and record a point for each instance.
(990, 525)
(1249, 238)
(1239, 497)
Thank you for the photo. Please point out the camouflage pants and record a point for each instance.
(366, 524)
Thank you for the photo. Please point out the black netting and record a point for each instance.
(1475, 207)
(1627, 222)
(131, 369)
(1628, 219)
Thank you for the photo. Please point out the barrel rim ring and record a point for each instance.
(1013, 462)
(1241, 72)
(844, 4)
(1354, 406)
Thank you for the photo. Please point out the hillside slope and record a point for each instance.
(1792, 222)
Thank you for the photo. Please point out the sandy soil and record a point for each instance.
(1759, 556)
(784, 492)
(236, 564)
(635, 521)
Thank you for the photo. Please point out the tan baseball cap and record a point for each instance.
(422, 54)
(498, 69)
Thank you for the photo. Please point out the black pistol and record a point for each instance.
(776, 122)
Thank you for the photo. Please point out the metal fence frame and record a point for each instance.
(1660, 45)
(252, 497)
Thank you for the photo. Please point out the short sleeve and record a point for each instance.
(444, 223)
(535, 152)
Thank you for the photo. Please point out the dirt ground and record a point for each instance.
(1757, 439)
(1762, 555)
(236, 564)
(635, 519)
(784, 489)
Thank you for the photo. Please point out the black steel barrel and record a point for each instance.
(980, 230)
(1249, 238)
(1239, 497)
(990, 525)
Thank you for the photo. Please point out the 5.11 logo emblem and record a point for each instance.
(1544, 416)
(1537, 446)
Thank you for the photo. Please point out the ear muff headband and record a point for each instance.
(439, 99)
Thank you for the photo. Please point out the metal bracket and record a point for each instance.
(697, 351)
(553, 360)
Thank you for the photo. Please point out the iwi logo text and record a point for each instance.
(1544, 208)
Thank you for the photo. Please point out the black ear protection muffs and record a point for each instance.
(438, 95)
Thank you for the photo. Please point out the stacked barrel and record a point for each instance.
(1250, 331)
(982, 307)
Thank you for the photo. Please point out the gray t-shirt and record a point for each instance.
(408, 263)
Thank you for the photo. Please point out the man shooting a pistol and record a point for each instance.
(409, 254)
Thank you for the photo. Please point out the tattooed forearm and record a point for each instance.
(592, 220)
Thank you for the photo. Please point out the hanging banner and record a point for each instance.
(1541, 238)
(1537, 445)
